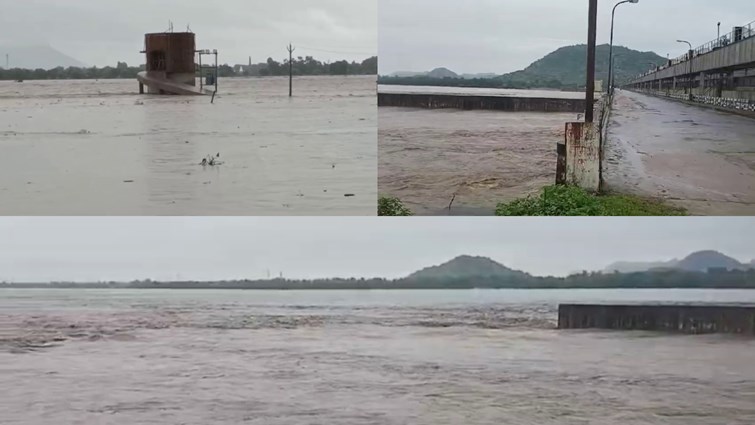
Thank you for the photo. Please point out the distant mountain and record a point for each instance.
(435, 73)
(480, 76)
(567, 65)
(700, 261)
(635, 267)
(565, 68)
(704, 260)
(405, 74)
(36, 57)
(466, 267)
(442, 73)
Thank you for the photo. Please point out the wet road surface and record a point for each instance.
(694, 157)
(130, 357)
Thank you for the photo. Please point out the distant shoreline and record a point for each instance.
(324, 289)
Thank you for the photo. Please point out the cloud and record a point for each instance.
(102, 32)
(503, 36)
(105, 248)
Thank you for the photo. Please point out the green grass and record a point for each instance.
(392, 207)
(573, 201)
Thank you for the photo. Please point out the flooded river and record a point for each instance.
(99, 148)
(482, 157)
(137, 357)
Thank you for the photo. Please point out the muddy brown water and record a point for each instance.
(100, 148)
(351, 357)
(694, 157)
(483, 157)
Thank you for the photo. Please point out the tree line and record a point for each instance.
(301, 66)
(713, 279)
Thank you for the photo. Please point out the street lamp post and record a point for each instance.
(690, 53)
(610, 48)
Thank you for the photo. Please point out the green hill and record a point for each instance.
(465, 267)
(568, 65)
(565, 68)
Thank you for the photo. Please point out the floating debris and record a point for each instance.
(84, 132)
(128, 181)
(349, 195)
(211, 161)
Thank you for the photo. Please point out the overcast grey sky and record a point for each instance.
(101, 32)
(81, 249)
(474, 36)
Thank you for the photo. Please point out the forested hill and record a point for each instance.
(564, 68)
(471, 273)
(567, 65)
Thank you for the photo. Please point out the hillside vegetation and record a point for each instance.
(564, 68)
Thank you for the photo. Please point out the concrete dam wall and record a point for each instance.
(471, 102)
(691, 319)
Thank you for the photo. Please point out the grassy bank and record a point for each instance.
(392, 207)
(573, 201)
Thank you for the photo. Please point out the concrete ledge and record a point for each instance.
(682, 318)
(470, 102)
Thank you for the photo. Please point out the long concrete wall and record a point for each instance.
(692, 319)
(465, 102)
(735, 56)
(742, 106)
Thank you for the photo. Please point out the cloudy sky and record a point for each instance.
(474, 36)
(91, 249)
(102, 32)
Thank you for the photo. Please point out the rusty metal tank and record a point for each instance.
(171, 56)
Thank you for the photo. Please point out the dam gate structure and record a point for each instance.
(171, 68)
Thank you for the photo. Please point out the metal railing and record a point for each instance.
(738, 34)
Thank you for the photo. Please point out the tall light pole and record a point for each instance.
(592, 30)
(690, 53)
(610, 48)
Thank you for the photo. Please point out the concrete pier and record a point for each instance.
(478, 102)
(690, 319)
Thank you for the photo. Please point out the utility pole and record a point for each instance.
(290, 49)
(592, 29)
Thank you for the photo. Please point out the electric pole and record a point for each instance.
(290, 49)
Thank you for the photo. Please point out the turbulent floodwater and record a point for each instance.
(694, 157)
(483, 157)
(99, 148)
(347, 357)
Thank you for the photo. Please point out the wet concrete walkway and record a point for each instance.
(693, 157)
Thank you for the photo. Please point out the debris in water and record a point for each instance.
(128, 181)
(349, 195)
(211, 161)
(84, 132)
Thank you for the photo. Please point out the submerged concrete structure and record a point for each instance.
(481, 102)
(171, 68)
(682, 318)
